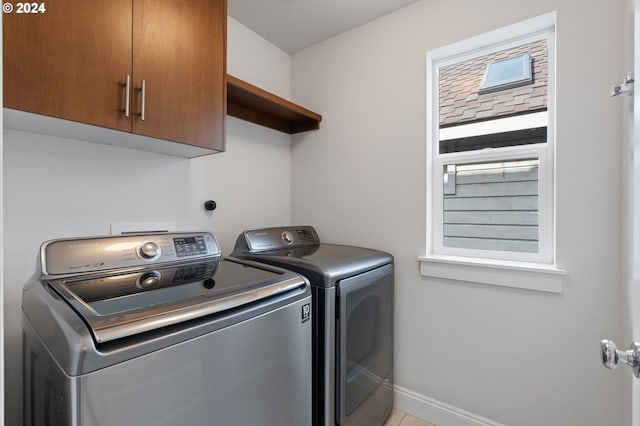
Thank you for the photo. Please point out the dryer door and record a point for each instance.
(365, 353)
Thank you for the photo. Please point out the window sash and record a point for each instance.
(542, 27)
(545, 202)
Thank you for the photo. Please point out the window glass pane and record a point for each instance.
(507, 71)
(470, 119)
(491, 206)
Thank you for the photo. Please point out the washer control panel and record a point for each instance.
(190, 246)
(280, 238)
(72, 256)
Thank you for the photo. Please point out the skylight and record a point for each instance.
(506, 74)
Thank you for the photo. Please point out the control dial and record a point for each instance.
(288, 237)
(149, 250)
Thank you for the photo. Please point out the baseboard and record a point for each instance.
(434, 411)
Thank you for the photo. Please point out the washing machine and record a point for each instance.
(352, 318)
(161, 330)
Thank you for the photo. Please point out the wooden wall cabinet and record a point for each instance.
(72, 62)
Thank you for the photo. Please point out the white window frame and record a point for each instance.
(446, 262)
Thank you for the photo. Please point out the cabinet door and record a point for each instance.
(70, 61)
(179, 50)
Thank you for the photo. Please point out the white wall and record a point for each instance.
(60, 188)
(253, 59)
(516, 357)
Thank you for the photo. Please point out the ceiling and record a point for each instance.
(295, 24)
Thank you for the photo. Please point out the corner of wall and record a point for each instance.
(249, 54)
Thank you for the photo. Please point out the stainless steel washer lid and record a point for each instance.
(117, 306)
(125, 285)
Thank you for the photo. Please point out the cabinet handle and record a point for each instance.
(143, 96)
(127, 90)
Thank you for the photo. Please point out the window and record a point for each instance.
(506, 74)
(490, 147)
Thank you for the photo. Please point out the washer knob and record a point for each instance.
(287, 237)
(149, 250)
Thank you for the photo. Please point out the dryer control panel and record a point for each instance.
(73, 256)
(278, 238)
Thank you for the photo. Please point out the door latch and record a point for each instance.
(612, 356)
(626, 88)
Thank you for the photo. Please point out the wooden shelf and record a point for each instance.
(250, 103)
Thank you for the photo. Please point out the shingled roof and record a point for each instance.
(460, 102)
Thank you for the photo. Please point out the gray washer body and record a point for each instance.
(240, 366)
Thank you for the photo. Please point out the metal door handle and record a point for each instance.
(143, 96)
(611, 356)
(127, 90)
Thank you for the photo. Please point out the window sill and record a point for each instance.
(529, 276)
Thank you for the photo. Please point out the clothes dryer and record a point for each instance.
(352, 300)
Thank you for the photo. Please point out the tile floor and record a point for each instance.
(400, 418)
